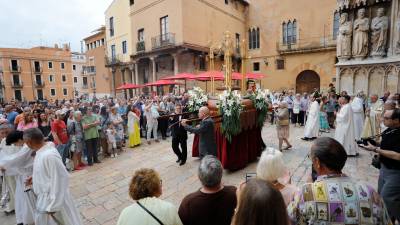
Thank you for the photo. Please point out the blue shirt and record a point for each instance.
(11, 117)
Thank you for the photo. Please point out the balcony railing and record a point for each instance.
(15, 69)
(113, 60)
(307, 45)
(39, 84)
(16, 84)
(162, 41)
(140, 46)
(84, 86)
(38, 70)
(90, 70)
(93, 86)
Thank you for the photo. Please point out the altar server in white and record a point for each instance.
(20, 164)
(50, 181)
(312, 124)
(344, 132)
(357, 105)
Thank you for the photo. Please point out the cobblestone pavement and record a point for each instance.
(101, 191)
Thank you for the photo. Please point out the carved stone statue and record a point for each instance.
(360, 35)
(359, 2)
(343, 4)
(344, 37)
(379, 28)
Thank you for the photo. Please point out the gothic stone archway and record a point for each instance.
(307, 81)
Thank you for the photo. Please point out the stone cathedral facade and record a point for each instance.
(368, 46)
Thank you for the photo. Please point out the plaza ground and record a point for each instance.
(101, 191)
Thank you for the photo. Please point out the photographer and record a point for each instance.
(389, 155)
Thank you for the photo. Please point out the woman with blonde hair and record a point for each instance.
(148, 209)
(282, 125)
(271, 168)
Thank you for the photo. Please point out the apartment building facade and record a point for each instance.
(39, 73)
(96, 79)
(78, 61)
(295, 49)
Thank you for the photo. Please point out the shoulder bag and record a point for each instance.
(151, 214)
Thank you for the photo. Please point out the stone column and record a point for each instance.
(137, 91)
(153, 63)
(132, 76)
(176, 68)
(124, 82)
(113, 70)
(337, 79)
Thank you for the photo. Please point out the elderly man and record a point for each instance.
(207, 145)
(335, 197)
(50, 182)
(389, 156)
(344, 132)
(214, 203)
(372, 119)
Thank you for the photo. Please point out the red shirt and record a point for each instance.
(59, 127)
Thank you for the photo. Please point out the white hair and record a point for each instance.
(271, 166)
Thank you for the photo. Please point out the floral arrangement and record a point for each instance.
(260, 103)
(197, 99)
(230, 107)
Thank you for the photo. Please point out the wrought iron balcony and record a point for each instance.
(162, 41)
(113, 60)
(16, 84)
(15, 69)
(38, 70)
(84, 86)
(307, 45)
(90, 70)
(39, 84)
(140, 46)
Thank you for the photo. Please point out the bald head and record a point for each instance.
(204, 112)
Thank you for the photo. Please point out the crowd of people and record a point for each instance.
(40, 142)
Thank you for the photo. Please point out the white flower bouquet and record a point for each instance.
(230, 107)
(197, 99)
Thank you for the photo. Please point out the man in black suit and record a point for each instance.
(207, 144)
(179, 136)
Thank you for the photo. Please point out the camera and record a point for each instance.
(365, 141)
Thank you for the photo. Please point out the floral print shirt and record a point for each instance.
(334, 200)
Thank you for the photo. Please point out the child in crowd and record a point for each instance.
(112, 142)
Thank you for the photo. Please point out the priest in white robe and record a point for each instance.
(311, 129)
(9, 179)
(357, 105)
(50, 181)
(20, 164)
(344, 132)
(373, 117)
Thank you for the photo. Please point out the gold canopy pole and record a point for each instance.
(244, 57)
(211, 56)
(228, 49)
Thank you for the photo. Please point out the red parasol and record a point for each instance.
(181, 76)
(128, 86)
(218, 75)
(162, 83)
(255, 76)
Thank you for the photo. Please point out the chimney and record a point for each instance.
(65, 47)
(55, 45)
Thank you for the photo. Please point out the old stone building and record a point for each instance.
(294, 48)
(36, 74)
(369, 46)
(96, 77)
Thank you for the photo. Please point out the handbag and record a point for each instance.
(151, 214)
(283, 122)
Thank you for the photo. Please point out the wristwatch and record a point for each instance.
(376, 149)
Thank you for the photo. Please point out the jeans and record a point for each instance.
(152, 127)
(63, 150)
(91, 146)
(389, 190)
(182, 155)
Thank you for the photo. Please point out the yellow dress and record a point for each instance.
(133, 130)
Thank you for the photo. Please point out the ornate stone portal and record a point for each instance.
(368, 46)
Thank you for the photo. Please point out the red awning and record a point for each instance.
(162, 83)
(128, 86)
(181, 76)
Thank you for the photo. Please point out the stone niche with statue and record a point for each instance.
(368, 46)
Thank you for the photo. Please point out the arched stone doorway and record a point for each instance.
(307, 81)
